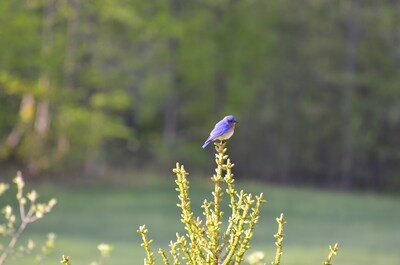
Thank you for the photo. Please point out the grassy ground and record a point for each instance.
(366, 226)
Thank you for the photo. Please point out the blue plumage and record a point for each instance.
(223, 130)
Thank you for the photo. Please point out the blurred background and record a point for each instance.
(94, 85)
(118, 91)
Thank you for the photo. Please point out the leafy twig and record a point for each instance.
(332, 252)
(35, 211)
(65, 260)
(146, 244)
(279, 238)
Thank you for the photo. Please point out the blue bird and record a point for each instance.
(223, 130)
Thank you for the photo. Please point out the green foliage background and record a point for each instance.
(95, 84)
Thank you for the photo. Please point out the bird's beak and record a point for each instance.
(236, 122)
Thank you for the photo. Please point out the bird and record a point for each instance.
(223, 130)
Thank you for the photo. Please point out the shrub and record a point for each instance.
(204, 241)
(29, 211)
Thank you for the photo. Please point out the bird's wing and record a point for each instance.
(219, 129)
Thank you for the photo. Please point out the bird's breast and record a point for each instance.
(227, 134)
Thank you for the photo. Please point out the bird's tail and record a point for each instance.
(207, 142)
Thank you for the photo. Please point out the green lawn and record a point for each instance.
(367, 226)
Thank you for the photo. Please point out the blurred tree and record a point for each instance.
(315, 85)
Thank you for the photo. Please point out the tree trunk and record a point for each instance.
(220, 81)
(70, 63)
(220, 92)
(42, 115)
(170, 118)
(286, 144)
(26, 111)
(171, 104)
(353, 33)
(42, 120)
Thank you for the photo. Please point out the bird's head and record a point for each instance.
(230, 119)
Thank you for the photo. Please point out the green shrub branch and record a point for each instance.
(29, 211)
(204, 241)
(332, 252)
(279, 239)
(65, 260)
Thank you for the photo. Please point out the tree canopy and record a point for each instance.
(315, 86)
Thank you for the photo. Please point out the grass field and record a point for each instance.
(367, 226)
